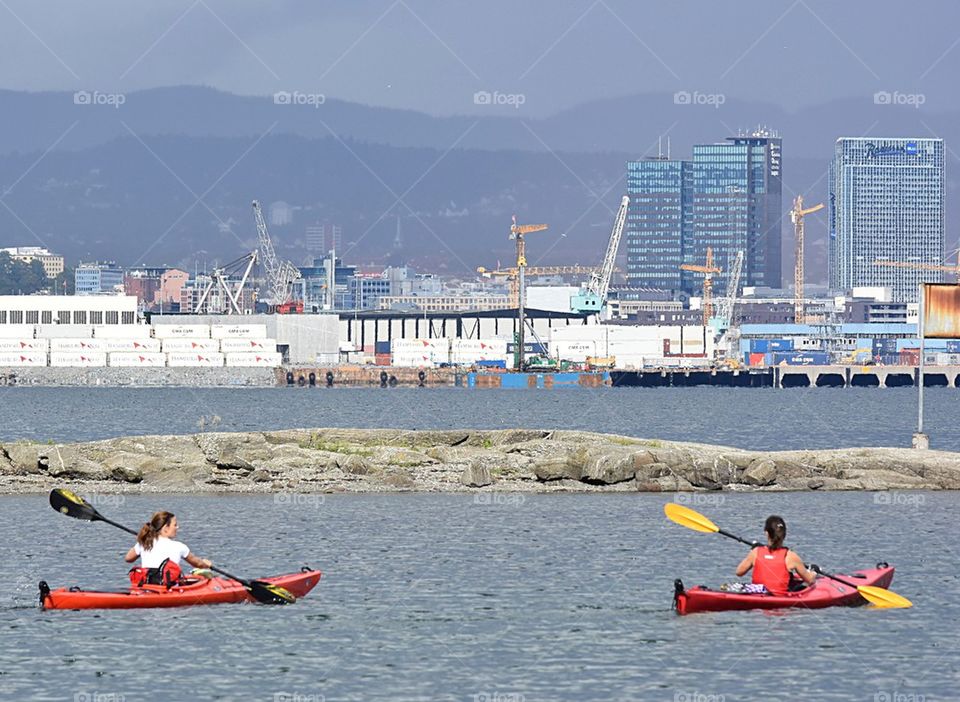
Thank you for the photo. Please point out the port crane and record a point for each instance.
(517, 232)
(727, 310)
(279, 274)
(796, 216)
(219, 278)
(707, 270)
(593, 297)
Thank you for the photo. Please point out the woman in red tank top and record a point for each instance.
(772, 564)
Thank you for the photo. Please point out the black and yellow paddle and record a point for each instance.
(684, 516)
(73, 505)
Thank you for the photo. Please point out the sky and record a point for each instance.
(435, 56)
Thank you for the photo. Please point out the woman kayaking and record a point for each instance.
(774, 563)
(159, 553)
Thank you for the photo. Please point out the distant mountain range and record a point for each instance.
(122, 181)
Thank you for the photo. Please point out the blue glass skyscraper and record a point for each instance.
(886, 200)
(728, 198)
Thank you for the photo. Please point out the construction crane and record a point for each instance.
(954, 270)
(279, 274)
(707, 270)
(796, 216)
(727, 310)
(220, 278)
(513, 276)
(593, 297)
(727, 304)
(518, 231)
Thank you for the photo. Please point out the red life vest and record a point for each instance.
(167, 574)
(770, 569)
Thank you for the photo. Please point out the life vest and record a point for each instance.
(770, 569)
(168, 574)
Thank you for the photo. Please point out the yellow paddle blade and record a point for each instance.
(684, 516)
(883, 598)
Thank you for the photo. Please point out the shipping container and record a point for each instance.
(781, 345)
(238, 331)
(248, 345)
(145, 359)
(16, 331)
(528, 348)
(953, 346)
(805, 358)
(121, 331)
(249, 360)
(78, 359)
(187, 345)
(77, 345)
(9, 345)
(181, 331)
(28, 358)
(884, 346)
(381, 347)
(131, 345)
(757, 359)
(63, 331)
(381, 359)
(759, 345)
(201, 359)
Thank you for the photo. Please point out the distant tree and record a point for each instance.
(19, 278)
(63, 284)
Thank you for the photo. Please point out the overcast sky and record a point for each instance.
(433, 55)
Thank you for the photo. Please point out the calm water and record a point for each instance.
(749, 418)
(436, 597)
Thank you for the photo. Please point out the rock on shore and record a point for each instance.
(380, 460)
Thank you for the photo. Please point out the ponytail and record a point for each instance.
(151, 530)
(776, 531)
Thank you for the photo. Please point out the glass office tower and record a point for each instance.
(659, 221)
(728, 198)
(886, 200)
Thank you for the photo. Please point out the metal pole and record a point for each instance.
(921, 440)
(521, 317)
(922, 351)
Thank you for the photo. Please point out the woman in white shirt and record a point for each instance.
(156, 544)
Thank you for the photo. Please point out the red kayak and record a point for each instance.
(195, 591)
(823, 593)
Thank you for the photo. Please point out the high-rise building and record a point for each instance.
(659, 221)
(886, 200)
(727, 198)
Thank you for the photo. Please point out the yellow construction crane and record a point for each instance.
(518, 231)
(708, 270)
(513, 276)
(955, 270)
(796, 216)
